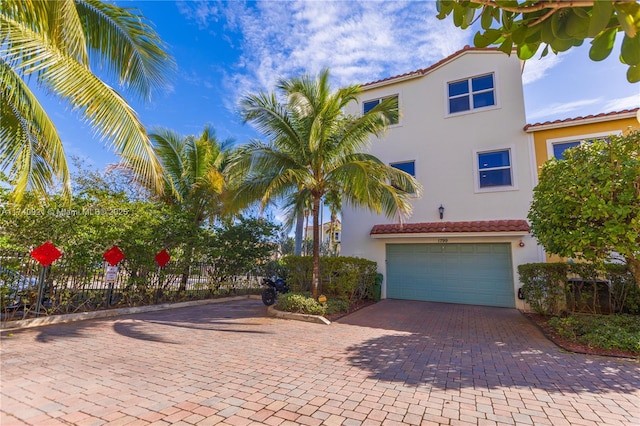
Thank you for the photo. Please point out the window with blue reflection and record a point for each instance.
(560, 148)
(472, 93)
(371, 104)
(406, 166)
(494, 168)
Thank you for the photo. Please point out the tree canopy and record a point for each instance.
(314, 149)
(558, 25)
(587, 206)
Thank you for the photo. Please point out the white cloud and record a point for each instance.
(537, 68)
(358, 41)
(200, 11)
(620, 104)
(562, 109)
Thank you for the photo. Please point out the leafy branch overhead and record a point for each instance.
(556, 25)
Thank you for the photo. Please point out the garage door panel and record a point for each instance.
(455, 273)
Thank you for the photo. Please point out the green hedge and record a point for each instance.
(548, 289)
(301, 304)
(346, 278)
(544, 285)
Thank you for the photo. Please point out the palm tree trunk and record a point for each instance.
(315, 278)
(297, 248)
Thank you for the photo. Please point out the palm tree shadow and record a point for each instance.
(239, 317)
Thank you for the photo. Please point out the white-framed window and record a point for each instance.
(370, 104)
(494, 169)
(471, 94)
(557, 146)
(408, 167)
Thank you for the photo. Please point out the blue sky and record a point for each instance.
(226, 49)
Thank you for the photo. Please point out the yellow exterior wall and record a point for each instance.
(541, 137)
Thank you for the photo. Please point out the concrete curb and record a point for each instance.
(298, 317)
(81, 316)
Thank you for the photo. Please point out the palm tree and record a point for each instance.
(314, 149)
(194, 172)
(194, 177)
(52, 45)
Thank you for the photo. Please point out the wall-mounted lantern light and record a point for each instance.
(441, 211)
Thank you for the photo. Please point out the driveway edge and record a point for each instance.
(298, 317)
(81, 316)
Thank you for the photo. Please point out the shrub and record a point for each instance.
(625, 293)
(543, 286)
(347, 278)
(337, 306)
(301, 304)
(614, 332)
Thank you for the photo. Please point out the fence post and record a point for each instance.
(43, 270)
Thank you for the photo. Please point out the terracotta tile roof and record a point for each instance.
(606, 115)
(424, 71)
(446, 227)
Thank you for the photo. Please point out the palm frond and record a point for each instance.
(124, 44)
(27, 49)
(57, 21)
(106, 111)
(29, 144)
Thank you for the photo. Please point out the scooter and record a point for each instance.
(274, 286)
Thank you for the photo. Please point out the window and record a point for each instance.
(471, 94)
(408, 167)
(560, 148)
(371, 104)
(494, 169)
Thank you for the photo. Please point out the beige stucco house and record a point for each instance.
(460, 133)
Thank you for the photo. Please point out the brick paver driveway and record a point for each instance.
(396, 362)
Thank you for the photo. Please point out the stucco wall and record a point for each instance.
(580, 129)
(443, 147)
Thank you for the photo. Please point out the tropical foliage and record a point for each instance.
(102, 212)
(587, 206)
(53, 45)
(194, 173)
(557, 25)
(242, 246)
(314, 149)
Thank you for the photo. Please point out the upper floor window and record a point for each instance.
(558, 147)
(408, 167)
(494, 170)
(471, 94)
(372, 103)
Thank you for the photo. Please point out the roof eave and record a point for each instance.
(451, 234)
(424, 71)
(531, 128)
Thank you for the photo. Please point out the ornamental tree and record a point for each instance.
(556, 24)
(587, 206)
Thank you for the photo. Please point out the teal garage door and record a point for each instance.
(476, 274)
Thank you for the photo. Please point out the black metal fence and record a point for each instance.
(29, 290)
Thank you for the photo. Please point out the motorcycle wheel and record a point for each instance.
(269, 297)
